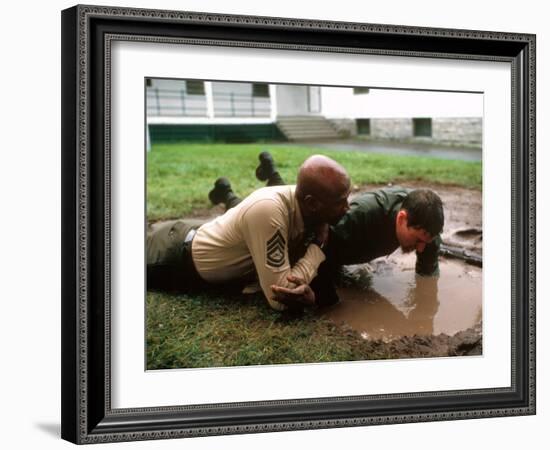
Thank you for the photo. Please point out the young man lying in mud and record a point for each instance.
(376, 225)
(275, 234)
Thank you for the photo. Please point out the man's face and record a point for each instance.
(410, 238)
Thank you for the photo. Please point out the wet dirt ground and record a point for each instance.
(399, 148)
(389, 301)
(385, 301)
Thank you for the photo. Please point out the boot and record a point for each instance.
(222, 190)
(266, 168)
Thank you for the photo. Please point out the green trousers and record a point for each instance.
(169, 260)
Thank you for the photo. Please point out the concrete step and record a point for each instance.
(328, 126)
(312, 134)
(305, 123)
(306, 128)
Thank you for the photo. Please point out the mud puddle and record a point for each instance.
(385, 300)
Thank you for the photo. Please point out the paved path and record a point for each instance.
(394, 148)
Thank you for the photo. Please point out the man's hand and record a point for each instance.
(300, 295)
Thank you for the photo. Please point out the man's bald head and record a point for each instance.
(322, 189)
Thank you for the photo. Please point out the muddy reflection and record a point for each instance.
(387, 300)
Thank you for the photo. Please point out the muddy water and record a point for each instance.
(386, 300)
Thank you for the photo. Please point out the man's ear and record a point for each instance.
(402, 217)
(311, 203)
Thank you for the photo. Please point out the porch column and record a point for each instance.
(273, 101)
(209, 99)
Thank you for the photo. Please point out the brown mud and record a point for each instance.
(391, 301)
(424, 316)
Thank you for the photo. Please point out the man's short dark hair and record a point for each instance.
(424, 210)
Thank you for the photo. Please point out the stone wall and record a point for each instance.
(391, 128)
(344, 127)
(458, 130)
(454, 131)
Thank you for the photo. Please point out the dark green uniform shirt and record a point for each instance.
(367, 231)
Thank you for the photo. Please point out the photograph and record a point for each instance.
(299, 224)
(276, 224)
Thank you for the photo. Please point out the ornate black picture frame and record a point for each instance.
(87, 414)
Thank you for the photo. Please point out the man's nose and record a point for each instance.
(346, 207)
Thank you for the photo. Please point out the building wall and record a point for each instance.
(344, 127)
(340, 102)
(236, 100)
(292, 100)
(391, 128)
(464, 130)
(170, 98)
(456, 116)
(446, 130)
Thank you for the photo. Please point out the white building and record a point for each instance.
(196, 110)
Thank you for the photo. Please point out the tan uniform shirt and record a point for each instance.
(255, 236)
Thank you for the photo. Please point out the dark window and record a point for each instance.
(194, 87)
(148, 82)
(360, 90)
(363, 126)
(422, 127)
(260, 90)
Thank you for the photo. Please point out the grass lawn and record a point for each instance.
(179, 177)
(240, 330)
(231, 329)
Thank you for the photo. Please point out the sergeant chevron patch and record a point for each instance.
(276, 250)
